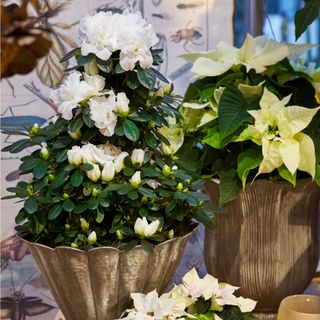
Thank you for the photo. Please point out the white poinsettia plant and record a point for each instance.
(105, 172)
(254, 112)
(195, 298)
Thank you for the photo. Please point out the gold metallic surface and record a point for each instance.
(96, 285)
(266, 241)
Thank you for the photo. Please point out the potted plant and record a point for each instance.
(105, 187)
(194, 298)
(254, 113)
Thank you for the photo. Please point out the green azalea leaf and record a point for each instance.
(247, 161)
(146, 245)
(305, 16)
(146, 192)
(130, 245)
(68, 205)
(105, 66)
(93, 203)
(76, 178)
(130, 129)
(286, 175)
(62, 155)
(31, 205)
(87, 120)
(76, 124)
(147, 78)
(150, 172)
(151, 140)
(132, 81)
(29, 164)
(59, 180)
(86, 166)
(133, 195)
(70, 55)
(118, 69)
(82, 60)
(232, 111)
(159, 75)
(54, 212)
(21, 216)
(202, 216)
(229, 186)
(40, 170)
(17, 146)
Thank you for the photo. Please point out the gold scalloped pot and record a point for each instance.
(266, 240)
(96, 285)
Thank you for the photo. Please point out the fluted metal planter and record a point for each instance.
(96, 285)
(266, 240)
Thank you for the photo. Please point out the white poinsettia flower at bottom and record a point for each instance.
(145, 229)
(246, 304)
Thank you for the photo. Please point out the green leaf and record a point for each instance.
(229, 186)
(131, 131)
(317, 175)
(146, 192)
(133, 195)
(105, 66)
(150, 172)
(207, 92)
(99, 216)
(76, 178)
(232, 111)
(151, 140)
(82, 60)
(118, 69)
(147, 78)
(68, 205)
(146, 245)
(69, 55)
(76, 124)
(93, 203)
(17, 146)
(21, 216)
(159, 75)
(132, 81)
(40, 170)
(87, 120)
(129, 246)
(31, 205)
(29, 164)
(62, 155)
(86, 166)
(55, 211)
(247, 160)
(286, 175)
(201, 216)
(59, 180)
(305, 16)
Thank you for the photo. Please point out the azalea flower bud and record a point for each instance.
(119, 235)
(137, 157)
(108, 172)
(119, 161)
(171, 234)
(136, 179)
(122, 104)
(94, 174)
(67, 226)
(29, 190)
(34, 130)
(73, 245)
(179, 186)
(44, 153)
(51, 177)
(75, 156)
(91, 68)
(75, 135)
(84, 224)
(144, 199)
(94, 192)
(143, 229)
(92, 238)
(166, 150)
(65, 196)
(166, 170)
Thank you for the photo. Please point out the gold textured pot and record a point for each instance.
(96, 285)
(266, 240)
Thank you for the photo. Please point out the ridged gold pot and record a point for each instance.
(96, 285)
(266, 240)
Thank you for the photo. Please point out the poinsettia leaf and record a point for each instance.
(287, 175)
(229, 186)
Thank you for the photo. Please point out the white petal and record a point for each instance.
(271, 156)
(208, 68)
(290, 153)
(152, 228)
(246, 305)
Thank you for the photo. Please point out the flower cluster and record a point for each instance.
(107, 172)
(254, 113)
(104, 33)
(195, 298)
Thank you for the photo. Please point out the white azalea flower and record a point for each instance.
(119, 161)
(92, 238)
(145, 229)
(91, 68)
(74, 90)
(137, 157)
(95, 173)
(135, 180)
(278, 128)
(75, 156)
(87, 151)
(246, 305)
(99, 34)
(108, 172)
(102, 111)
(122, 105)
(110, 149)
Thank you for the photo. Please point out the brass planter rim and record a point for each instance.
(195, 227)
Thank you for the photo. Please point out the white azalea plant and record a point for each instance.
(195, 298)
(105, 171)
(254, 111)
